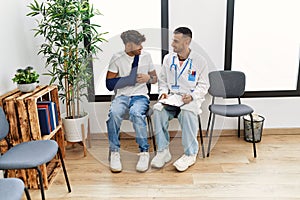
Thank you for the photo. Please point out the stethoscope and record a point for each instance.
(173, 65)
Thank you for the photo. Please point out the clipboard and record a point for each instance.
(173, 100)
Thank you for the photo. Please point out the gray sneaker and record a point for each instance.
(143, 163)
(161, 158)
(115, 162)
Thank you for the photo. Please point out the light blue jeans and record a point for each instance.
(137, 107)
(189, 126)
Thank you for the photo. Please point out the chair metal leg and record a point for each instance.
(201, 136)
(211, 133)
(208, 124)
(5, 173)
(108, 157)
(253, 138)
(41, 183)
(150, 128)
(64, 169)
(27, 193)
(239, 126)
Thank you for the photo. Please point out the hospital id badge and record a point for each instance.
(192, 76)
(175, 87)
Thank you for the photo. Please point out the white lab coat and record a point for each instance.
(196, 86)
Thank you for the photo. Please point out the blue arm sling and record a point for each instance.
(121, 82)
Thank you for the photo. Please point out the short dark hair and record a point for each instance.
(132, 36)
(184, 30)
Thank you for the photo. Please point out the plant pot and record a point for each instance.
(29, 87)
(73, 128)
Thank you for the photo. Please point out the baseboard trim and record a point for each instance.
(224, 133)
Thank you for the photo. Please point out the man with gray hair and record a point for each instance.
(128, 73)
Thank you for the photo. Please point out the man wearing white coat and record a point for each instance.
(184, 73)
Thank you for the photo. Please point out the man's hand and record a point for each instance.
(187, 98)
(163, 96)
(142, 78)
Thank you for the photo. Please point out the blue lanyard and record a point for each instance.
(185, 67)
(181, 72)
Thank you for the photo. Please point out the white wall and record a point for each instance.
(19, 48)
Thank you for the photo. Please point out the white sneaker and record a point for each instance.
(161, 158)
(115, 162)
(143, 163)
(185, 162)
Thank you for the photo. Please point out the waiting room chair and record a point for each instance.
(12, 189)
(29, 155)
(228, 84)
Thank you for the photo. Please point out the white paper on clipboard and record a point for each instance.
(173, 100)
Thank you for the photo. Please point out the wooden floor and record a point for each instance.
(229, 173)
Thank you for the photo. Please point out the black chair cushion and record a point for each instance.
(29, 154)
(235, 110)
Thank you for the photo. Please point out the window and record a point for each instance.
(117, 17)
(263, 41)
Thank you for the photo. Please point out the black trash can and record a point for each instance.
(258, 122)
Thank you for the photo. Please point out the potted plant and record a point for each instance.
(26, 79)
(70, 42)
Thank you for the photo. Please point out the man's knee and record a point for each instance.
(136, 113)
(187, 115)
(114, 112)
(187, 112)
(159, 113)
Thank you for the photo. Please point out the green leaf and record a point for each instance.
(63, 24)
